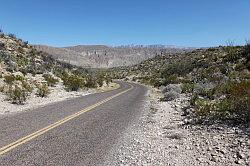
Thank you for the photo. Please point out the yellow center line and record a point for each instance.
(29, 137)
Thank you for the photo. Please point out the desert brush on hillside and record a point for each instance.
(25, 70)
(217, 80)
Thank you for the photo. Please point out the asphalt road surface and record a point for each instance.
(78, 131)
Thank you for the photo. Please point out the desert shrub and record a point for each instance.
(100, 80)
(172, 79)
(223, 69)
(207, 93)
(242, 109)
(178, 68)
(232, 54)
(239, 95)
(27, 86)
(1, 88)
(17, 95)
(12, 35)
(187, 87)
(157, 82)
(172, 87)
(235, 106)
(19, 78)
(2, 46)
(26, 43)
(90, 82)
(193, 99)
(9, 79)
(246, 51)
(169, 96)
(42, 90)
(107, 79)
(171, 92)
(203, 108)
(51, 81)
(73, 82)
(62, 74)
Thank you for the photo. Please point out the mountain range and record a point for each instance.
(102, 56)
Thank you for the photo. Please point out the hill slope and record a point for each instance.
(216, 79)
(26, 72)
(66, 55)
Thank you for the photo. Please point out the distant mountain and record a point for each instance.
(102, 56)
(66, 55)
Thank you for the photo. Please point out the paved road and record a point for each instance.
(83, 138)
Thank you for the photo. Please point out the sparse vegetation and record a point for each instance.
(73, 82)
(187, 87)
(22, 67)
(17, 95)
(51, 81)
(9, 79)
(12, 35)
(100, 80)
(90, 82)
(42, 90)
(216, 78)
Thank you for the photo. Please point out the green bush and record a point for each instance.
(27, 86)
(17, 94)
(232, 54)
(90, 82)
(239, 95)
(42, 90)
(73, 82)
(172, 79)
(9, 79)
(193, 99)
(187, 87)
(51, 81)
(207, 93)
(100, 80)
(235, 106)
(107, 80)
(19, 78)
(204, 108)
(62, 74)
(246, 51)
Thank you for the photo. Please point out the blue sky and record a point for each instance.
(195, 23)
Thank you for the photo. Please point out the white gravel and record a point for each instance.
(159, 137)
(57, 94)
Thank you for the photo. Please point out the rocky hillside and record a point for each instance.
(66, 55)
(25, 71)
(216, 81)
(101, 56)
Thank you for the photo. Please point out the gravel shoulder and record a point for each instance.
(57, 93)
(161, 137)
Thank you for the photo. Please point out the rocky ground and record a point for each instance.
(162, 137)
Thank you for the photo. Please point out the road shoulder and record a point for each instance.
(160, 137)
(58, 93)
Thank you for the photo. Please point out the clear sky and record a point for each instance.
(196, 23)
